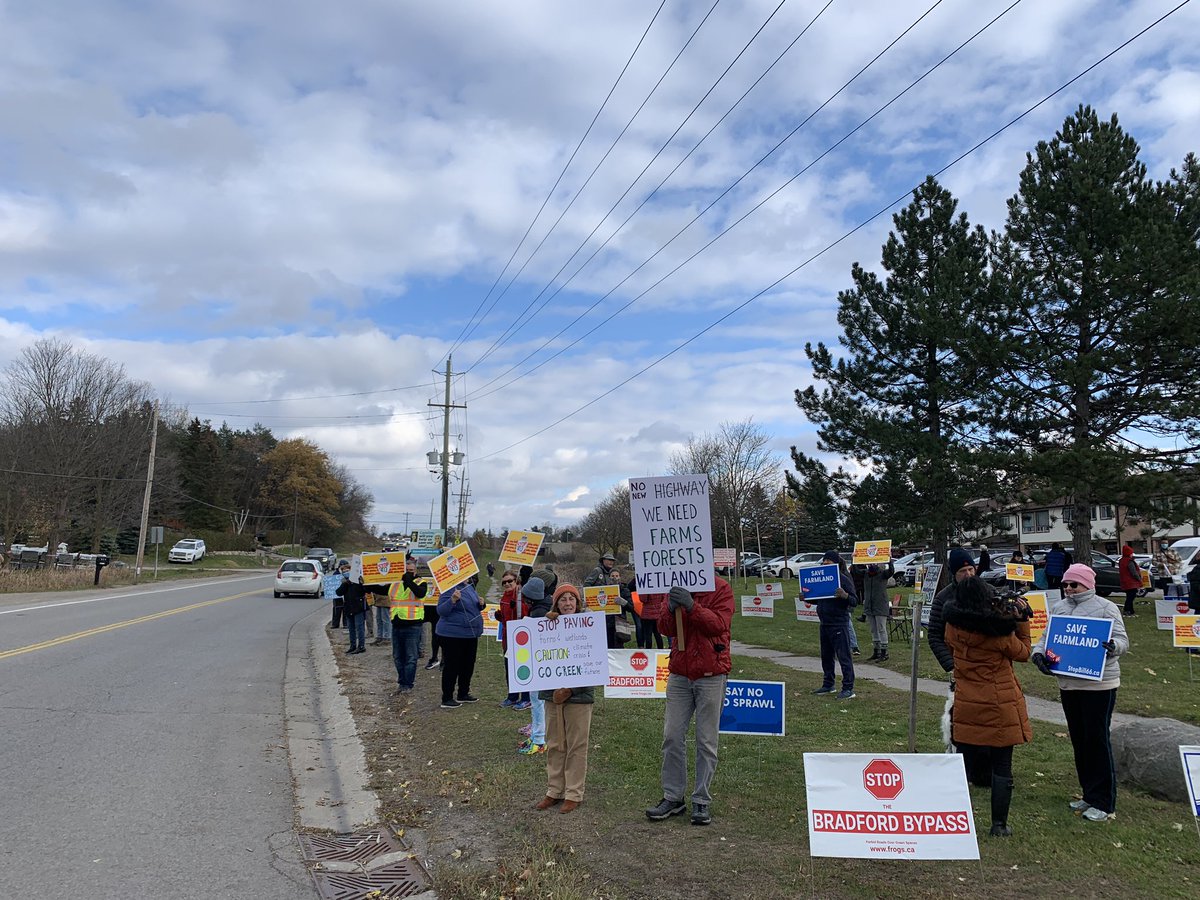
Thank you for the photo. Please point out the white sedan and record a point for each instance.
(299, 576)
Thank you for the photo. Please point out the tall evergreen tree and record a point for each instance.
(1101, 269)
(901, 397)
(817, 516)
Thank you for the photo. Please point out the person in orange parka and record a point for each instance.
(695, 687)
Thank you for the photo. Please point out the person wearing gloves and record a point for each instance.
(568, 725)
(1088, 705)
(876, 607)
(987, 634)
(695, 688)
(460, 624)
(833, 615)
(354, 608)
(533, 602)
(407, 614)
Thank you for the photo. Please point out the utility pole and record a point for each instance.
(463, 493)
(406, 531)
(141, 547)
(446, 407)
(295, 518)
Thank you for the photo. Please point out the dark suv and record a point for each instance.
(324, 555)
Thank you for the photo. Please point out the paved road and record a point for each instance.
(142, 743)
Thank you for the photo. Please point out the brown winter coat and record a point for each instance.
(989, 706)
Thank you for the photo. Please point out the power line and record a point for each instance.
(558, 180)
(310, 419)
(408, 387)
(844, 236)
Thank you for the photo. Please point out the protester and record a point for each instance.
(568, 725)
(1056, 564)
(1017, 559)
(339, 604)
(383, 627)
(960, 567)
(1089, 705)
(876, 607)
(986, 634)
(354, 607)
(600, 574)
(833, 616)
(1130, 576)
(435, 641)
(648, 637)
(407, 621)
(695, 687)
(985, 560)
(1194, 589)
(460, 624)
(508, 613)
(491, 570)
(534, 594)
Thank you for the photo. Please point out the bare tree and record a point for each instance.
(607, 527)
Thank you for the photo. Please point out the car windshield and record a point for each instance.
(186, 545)
(298, 566)
(320, 551)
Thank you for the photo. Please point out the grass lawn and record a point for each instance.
(453, 781)
(215, 564)
(1154, 675)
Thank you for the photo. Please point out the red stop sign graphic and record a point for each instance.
(883, 779)
(639, 660)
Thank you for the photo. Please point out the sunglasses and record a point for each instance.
(507, 581)
(1071, 584)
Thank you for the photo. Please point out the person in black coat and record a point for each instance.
(354, 608)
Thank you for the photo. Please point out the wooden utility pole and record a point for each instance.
(141, 547)
(446, 406)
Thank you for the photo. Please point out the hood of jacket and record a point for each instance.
(987, 622)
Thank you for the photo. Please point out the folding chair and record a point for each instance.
(899, 624)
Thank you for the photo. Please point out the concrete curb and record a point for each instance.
(329, 766)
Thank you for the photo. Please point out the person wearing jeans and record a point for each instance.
(383, 628)
(353, 594)
(535, 604)
(835, 630)
(695, 689)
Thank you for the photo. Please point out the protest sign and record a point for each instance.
(758, 606)
(725, 557)
(381, 568)
(1074, 646)
(672, 535)
(428, 539)
(770, 590)
(1190, 756)
(602, 598)
(1167, 608)
(521, 547)
(637, 674)
(1187, 631)
(805, 611)
(867, 552)
(929, 580)
(819, 582)
(899, 806)
(1018, 572)
(453, 567)
(491, 624)
(330, 584)
(1145, 573)
(753, 707)
(1040, 609)
(569, 651)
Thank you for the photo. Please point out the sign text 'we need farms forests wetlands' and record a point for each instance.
(672, 533)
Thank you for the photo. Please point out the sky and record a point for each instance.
(294, 213)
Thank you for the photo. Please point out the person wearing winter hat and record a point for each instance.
(1130, 575)
(1088, 705)
(537, 602)
(960, 566)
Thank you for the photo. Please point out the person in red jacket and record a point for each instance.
(1131, 578)
(695, 687)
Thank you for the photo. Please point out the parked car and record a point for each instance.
(788, 567)
(299, 576)
(189, 550)
(324, 555)
(908, 575)
(997, 575)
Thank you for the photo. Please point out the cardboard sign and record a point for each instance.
(637, 674)
(672, 533)
(603, 599)
(453, 567)
(929, 583)
(1074, 646)
(1167, 608)
(491, 624)
(570, 651)
(758, 606)
(867, 552)
(805, 611)
(819, 582)
(1018, 572)
(1041, 615)
(725, 557)
(753, 707)
(380, 568)
(770, 590)
(330, 584)
(521, 547)
(1187, 631)
(429, 539)
(1190, 756)
(1145, 573)
(898, 806)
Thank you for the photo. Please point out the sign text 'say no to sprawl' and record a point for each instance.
(672, 533)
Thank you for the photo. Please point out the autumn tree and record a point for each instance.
(301, 488)
(608, 528)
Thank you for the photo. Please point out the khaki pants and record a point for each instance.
(568, 728)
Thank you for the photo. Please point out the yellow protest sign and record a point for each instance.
(1018, 572)
(1145, 578)
(662, 669)
(453, 567)
(1037, 624)
(491, 625)
(602, 598)
(867, 552)
(1187, 631)
(521, 547)
(382, 568)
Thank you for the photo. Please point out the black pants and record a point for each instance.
(1054, 582)
(1089, 718)
(435, 642)
(984, 762)
(458, 665)
(1129, 596)
(650, 637)
(338, 606)
(835, 641)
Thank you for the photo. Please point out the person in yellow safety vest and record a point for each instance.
(408, 616)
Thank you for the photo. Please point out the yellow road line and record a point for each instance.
(66, 639)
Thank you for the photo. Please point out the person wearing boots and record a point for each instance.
(987, 634)
(876, 607)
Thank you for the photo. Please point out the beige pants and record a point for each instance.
(568, 727)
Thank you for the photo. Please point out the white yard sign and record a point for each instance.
(672, 533)
(889, 806)
(755, 605)
(570, 651)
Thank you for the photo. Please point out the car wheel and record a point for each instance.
(278, 595)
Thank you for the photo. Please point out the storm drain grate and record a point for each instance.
(360, 847)
(393, 881)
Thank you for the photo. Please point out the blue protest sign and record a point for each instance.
(819, 582)
(1075, 646)
(1191, 775)
(330, 584)
(753, 707)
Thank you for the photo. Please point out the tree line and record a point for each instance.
(74, 451)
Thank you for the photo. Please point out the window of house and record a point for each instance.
(1038, 520)
(1006, 523)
